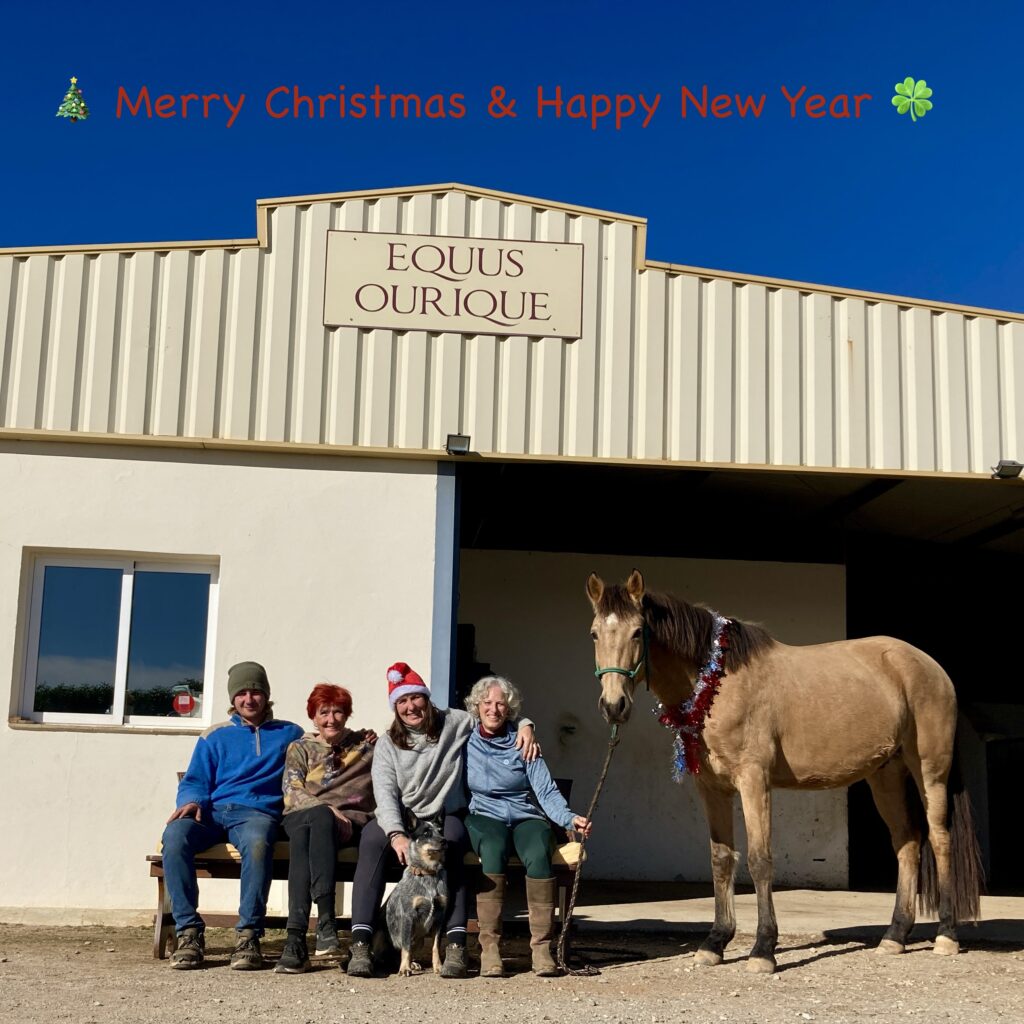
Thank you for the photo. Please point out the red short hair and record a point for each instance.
(327, 693)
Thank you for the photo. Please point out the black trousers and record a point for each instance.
(312, 861)
(375, 854)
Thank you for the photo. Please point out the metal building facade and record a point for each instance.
(224, 341)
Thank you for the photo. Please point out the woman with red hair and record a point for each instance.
(328, 798)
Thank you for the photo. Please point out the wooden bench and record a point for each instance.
(223, 861)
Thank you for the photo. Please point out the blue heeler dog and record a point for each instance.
(416, 908)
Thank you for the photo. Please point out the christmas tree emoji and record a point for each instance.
(73, 105)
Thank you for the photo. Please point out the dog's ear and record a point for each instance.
(411, 821)
(438, 822)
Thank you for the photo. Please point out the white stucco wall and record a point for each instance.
(327, 571)
(532, 623)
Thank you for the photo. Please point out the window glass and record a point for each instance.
(167, 651)
(78, 640)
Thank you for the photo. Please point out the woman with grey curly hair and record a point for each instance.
(512, 804)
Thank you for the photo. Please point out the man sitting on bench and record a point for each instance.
(232, 790)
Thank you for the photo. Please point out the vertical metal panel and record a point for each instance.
(241, 344)
(307, 409)
(684, 408)
(202, 369)
(982, 392)
(784, 379)
(445, 353)
(818, 403)
(136, 344)
(884, 412)
(615, 358)
(1011, 373)
(172, 341)
(344, 349)
(752, 374)
(62, 362)
(581, 357)
(480, 357)
(547, 385)
(650, 377)
(672, 365)
(8, 313)
(917, 378)
(31, 325)
(514, 355)
(951, 393)
(851, 373)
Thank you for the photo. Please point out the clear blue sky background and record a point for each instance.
(931, 209)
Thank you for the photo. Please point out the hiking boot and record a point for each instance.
(189, 952)
(247, 955)
(454, 965)
(327, 937)
(294, 957)
(360, 964)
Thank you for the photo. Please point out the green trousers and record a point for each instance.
(493, 842)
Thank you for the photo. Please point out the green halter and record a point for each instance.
(627, 672)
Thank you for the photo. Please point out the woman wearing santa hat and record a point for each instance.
(418, 767)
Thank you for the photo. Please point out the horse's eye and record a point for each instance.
(638, 634)
(593, 635)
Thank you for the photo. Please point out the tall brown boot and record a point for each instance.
(489, 903)
(540, 902)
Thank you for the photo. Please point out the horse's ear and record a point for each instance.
(635, 586)
(595, 588)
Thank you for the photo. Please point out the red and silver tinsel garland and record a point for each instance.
(687, 718)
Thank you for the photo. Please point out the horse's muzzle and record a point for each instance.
(616, 712)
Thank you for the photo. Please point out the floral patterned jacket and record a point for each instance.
(339, 776)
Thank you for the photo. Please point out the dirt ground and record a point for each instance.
(86, 975)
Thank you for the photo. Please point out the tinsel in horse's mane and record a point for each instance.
(686, 628)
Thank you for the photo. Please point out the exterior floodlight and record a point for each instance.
(1007, 469)
(458, 444)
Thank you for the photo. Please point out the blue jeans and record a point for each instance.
(251, 832)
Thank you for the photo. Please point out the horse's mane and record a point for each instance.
(687, 628)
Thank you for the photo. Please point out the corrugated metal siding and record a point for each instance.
(223, 343)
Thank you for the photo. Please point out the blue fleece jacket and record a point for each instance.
(505, 787)
(236, 763)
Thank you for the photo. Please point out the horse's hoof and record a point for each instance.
(760, 965)
(945, 946)
(707, 958)
(889, 947)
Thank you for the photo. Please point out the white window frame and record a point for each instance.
(128, 566)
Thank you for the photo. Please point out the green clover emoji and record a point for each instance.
(912, 96)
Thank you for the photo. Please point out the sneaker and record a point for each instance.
(327, 937)
(190, 949)
(247, 955)
(454, 965)
(294, 957)
(360, 964)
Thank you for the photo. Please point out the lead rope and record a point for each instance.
(563, 938)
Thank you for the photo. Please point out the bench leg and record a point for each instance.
(163, 934)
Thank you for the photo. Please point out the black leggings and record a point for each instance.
(375, 853)
(312, 861)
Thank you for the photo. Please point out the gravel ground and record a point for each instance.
(87, 975)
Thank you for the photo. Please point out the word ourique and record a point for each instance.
(618, 110)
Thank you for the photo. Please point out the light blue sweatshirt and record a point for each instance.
(505, 787)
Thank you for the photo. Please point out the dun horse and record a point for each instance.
(812, 717)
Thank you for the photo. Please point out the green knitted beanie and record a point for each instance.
(247, 675)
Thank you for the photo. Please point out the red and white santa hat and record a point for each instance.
(402, 681)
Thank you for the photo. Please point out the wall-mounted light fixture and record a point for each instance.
(458, 444)
(1007, 469)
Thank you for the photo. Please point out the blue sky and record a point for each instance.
(930, 209)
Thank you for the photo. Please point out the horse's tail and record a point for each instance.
(966, 869)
